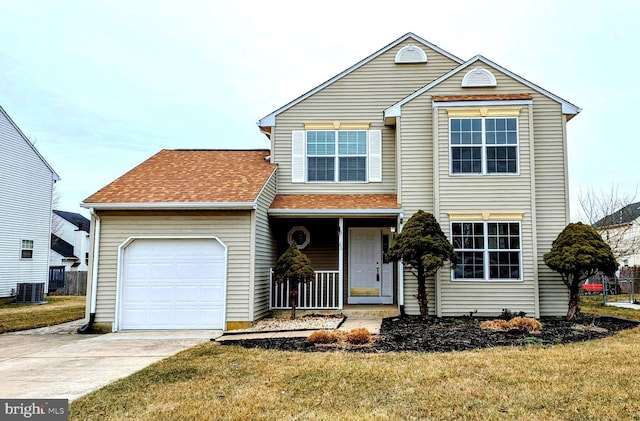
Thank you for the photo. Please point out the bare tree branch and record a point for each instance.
(610, 213)
(56, 222)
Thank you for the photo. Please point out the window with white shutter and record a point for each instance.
(337, 156)
(297, 156)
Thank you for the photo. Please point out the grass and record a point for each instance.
(582, 381)
(592, 304)
(59, 309)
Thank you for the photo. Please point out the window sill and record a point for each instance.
(511, 174)
(487, 281)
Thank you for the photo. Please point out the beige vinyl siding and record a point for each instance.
(25, 210)
(232, 228)
(417, 183)
(411, 290)
(362, 95)
(265, 250)
(551, 200)
(495, 193)
(468, 193)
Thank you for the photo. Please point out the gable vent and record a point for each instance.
(478, 77)
(411, 54)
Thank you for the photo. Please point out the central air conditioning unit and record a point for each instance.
(31, 293)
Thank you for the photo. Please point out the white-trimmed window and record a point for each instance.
(487, 251)
(336, 156)
(487, 145)
(26, 249)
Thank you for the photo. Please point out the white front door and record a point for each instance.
(370, 279)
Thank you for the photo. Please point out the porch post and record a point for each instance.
(400, 272)
(340, 262)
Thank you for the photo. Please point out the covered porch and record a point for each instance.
(345, 237)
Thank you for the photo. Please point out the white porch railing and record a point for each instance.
(323, 292)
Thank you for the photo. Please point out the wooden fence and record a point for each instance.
(75, 283)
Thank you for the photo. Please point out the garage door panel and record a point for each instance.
(212, 294)
(186, 294)
(214, 269)
(210, 316)
(185, 316)
(163, 271)
(137, 271)
(135, 295)
(160, 318)
(173, 284)
(160, 295)
(190, 270)
(136, 319)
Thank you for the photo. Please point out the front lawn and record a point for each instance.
(59, 309)
(589, 380)
(592, 304)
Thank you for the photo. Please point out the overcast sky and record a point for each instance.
(101, 86)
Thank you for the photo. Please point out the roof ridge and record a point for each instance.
(268, 117)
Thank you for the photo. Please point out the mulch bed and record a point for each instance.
(410, 333)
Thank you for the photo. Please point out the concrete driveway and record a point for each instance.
(40, 364)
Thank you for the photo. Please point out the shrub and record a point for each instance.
(323, 337)
(498, 324)
(358, 336)
(532, 325)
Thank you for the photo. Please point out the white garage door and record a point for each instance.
(173, 284)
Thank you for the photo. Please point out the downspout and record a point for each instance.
(88, 328)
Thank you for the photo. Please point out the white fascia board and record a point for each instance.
(264, 186)
(482, 103)
(567, 107)
(270, 120)
(334, 212)
(172, 206)
(393, 111)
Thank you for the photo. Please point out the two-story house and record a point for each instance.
(25, 209)
(70, 241)
(187, 238)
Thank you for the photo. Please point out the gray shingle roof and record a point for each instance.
(625, 215)
(75, 218)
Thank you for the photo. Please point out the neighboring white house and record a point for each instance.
(621, 231)
(70, 241)
(25, 209)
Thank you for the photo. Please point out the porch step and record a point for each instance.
(364, 311)
(361, 311)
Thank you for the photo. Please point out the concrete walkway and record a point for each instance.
(53, 363)
(624, 305)
(372, 324)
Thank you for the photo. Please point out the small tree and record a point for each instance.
(296, 267)
(578, 253)
(423, 246)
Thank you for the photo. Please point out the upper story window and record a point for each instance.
(487, 250)
(486, 145)
(26, 249)
(336, 156)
